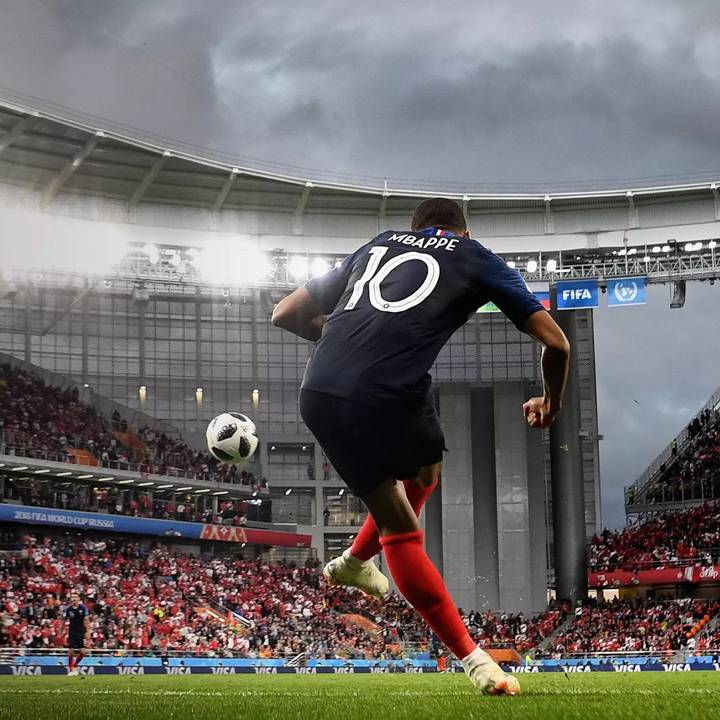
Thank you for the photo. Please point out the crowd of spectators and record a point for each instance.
(41, 421)
(623, 626)
(148, 597)
(709, 641)
(693, 471)
(689, 537)
(517, 631)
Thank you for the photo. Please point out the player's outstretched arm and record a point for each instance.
(541, 411)
(300, 314)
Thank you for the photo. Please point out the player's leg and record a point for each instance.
(423, 587)
(72, 655)
(410, 445)
(418, 489)
(355, 568)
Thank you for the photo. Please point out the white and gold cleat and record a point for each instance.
(364, 575)
(487, 676)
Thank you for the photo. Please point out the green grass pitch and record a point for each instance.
(660, 696)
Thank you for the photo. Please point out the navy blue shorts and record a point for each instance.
(76, 641)
(367, 445)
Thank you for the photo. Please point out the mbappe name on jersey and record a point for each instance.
(425, 242)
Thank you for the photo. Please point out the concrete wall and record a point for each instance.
(493, 499)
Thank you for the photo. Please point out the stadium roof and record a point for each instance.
(53, 148)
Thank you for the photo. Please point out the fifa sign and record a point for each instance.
(573, 294)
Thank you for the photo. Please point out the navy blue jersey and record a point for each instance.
(76, 617)
(395, 302)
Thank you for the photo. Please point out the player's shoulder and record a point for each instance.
(476, 248)
(487, 259)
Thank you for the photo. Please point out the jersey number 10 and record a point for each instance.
(372, 277)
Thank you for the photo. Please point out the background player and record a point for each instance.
(76, 615)
(380, 320)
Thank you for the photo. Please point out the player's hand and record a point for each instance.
(538, 413)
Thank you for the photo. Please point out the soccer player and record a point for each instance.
(76, 615)
(379, 320)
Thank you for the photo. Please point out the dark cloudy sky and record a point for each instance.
(490, 94)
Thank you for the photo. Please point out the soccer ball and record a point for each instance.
(232, 438)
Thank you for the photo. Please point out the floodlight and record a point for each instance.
(232, 264)
(298, 267)
(152, 252)
(319, 267)
(532, 266)
(551, 265)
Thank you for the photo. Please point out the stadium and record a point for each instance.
(136, 297)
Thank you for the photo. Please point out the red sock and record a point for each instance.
(71, 662)
(423, 587)
(367, 541)
(78, 658)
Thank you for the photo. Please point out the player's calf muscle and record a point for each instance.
(390, 509)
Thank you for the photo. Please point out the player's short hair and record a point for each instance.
(440, 213)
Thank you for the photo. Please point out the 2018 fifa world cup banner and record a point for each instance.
(149, 526)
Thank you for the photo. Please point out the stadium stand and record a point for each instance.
(38, 420)
(671, 539)
(150, 597)
(696, 472)
(144, 596)
(688, 471)
(622, 626)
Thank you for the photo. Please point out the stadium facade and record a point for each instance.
(154, 323)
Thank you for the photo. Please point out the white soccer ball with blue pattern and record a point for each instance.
(232, 438)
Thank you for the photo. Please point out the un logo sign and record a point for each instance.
(626, 291)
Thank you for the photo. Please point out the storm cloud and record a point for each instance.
(483, 93)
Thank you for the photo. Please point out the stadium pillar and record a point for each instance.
(141, 342)
(85, 344)
(485, 510)
(28, 326)
(568, 506)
